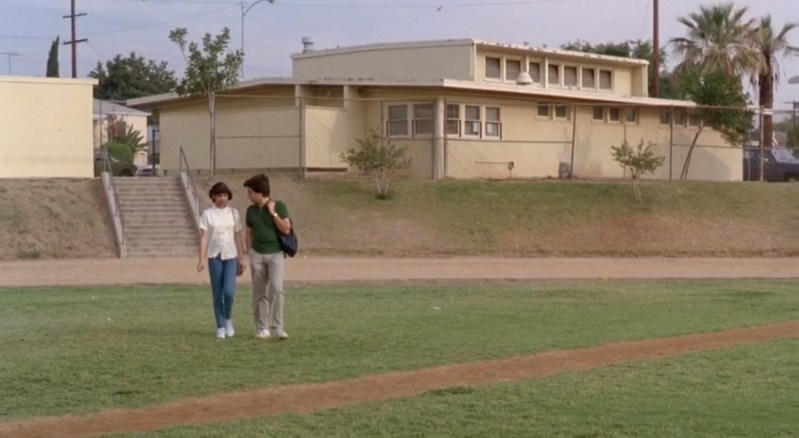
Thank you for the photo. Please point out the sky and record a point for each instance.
(274, 31)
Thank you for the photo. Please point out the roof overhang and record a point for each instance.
(505, 90)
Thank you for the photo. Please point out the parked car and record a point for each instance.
(118, 168)
(778, 165)
(148, 170)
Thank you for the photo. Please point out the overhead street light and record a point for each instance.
(244, 10)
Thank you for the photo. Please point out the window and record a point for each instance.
(423, 119)
(599, 114)
(493, 68)
(493, 123)
(679, 118)
(453, 119)
(473, 122)
(631, 116)
(554, 74)
(570, 76)
(665, 117)
(589, 78)
(512, 69)
(614, 115)
(535, 72)
(543, 110)
(397, 124)
(605, 79)
(694, 120)
(562, 112)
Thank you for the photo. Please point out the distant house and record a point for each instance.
(465, 108)
(106, 112)
(46, 127)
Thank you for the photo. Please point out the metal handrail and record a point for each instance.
(118, 208)
(184, 167)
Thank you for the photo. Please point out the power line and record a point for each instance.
(10, 55)
(24, 37)
(351, 5)
(161, 23)
(74, 41)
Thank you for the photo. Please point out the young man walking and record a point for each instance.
(266, 218)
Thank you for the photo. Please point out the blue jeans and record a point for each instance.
(223, 287)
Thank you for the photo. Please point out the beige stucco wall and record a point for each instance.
(251, 134)
(420, 63)
(538, 146)
(627, 80)
(326, 137)
(47, 128)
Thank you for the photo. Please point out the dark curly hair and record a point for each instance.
(258, 184)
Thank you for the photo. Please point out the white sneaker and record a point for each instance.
(220, 333)
(282, 335)
(229, 332)
(263, 334)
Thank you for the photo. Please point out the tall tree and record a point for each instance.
(719, 38)
(52, 60)
(133, 76)
(771, 46)
(636, 49)
(209, 69)
(716, 92)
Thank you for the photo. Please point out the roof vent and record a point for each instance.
(524, 79)
(307, 44)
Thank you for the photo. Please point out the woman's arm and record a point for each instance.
(203, 250)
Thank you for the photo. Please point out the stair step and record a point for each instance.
(156, 206)
(165, 232)
(180, 243)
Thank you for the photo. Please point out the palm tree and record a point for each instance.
(719, 37)
(771, 46)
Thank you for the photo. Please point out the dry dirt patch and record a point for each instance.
(54, 218)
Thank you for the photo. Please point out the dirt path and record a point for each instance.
(327, 269)
(314, 397)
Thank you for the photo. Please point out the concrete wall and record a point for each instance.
(627, 80)
(252, 133)
(326, 137)
(537, 147)
(46, 128)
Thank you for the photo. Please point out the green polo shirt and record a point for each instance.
(264, 230)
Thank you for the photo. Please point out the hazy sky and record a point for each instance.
(274, 31)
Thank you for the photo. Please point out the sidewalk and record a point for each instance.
(330, 269)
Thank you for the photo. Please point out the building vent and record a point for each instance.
(307, 44)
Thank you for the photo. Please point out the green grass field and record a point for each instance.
(78, 350)
(747, 391)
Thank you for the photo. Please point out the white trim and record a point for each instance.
(53, 81)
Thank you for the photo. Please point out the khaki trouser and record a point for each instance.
(267, 291)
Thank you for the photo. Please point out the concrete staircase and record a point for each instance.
(156, 216)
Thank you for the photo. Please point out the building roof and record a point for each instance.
(107, 108)
(471, 42)
(507, 89)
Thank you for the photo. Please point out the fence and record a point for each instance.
(466, 136)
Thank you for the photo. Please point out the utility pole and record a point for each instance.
(656, 49)
(244, 10)
(74, 42)
(10, 55)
